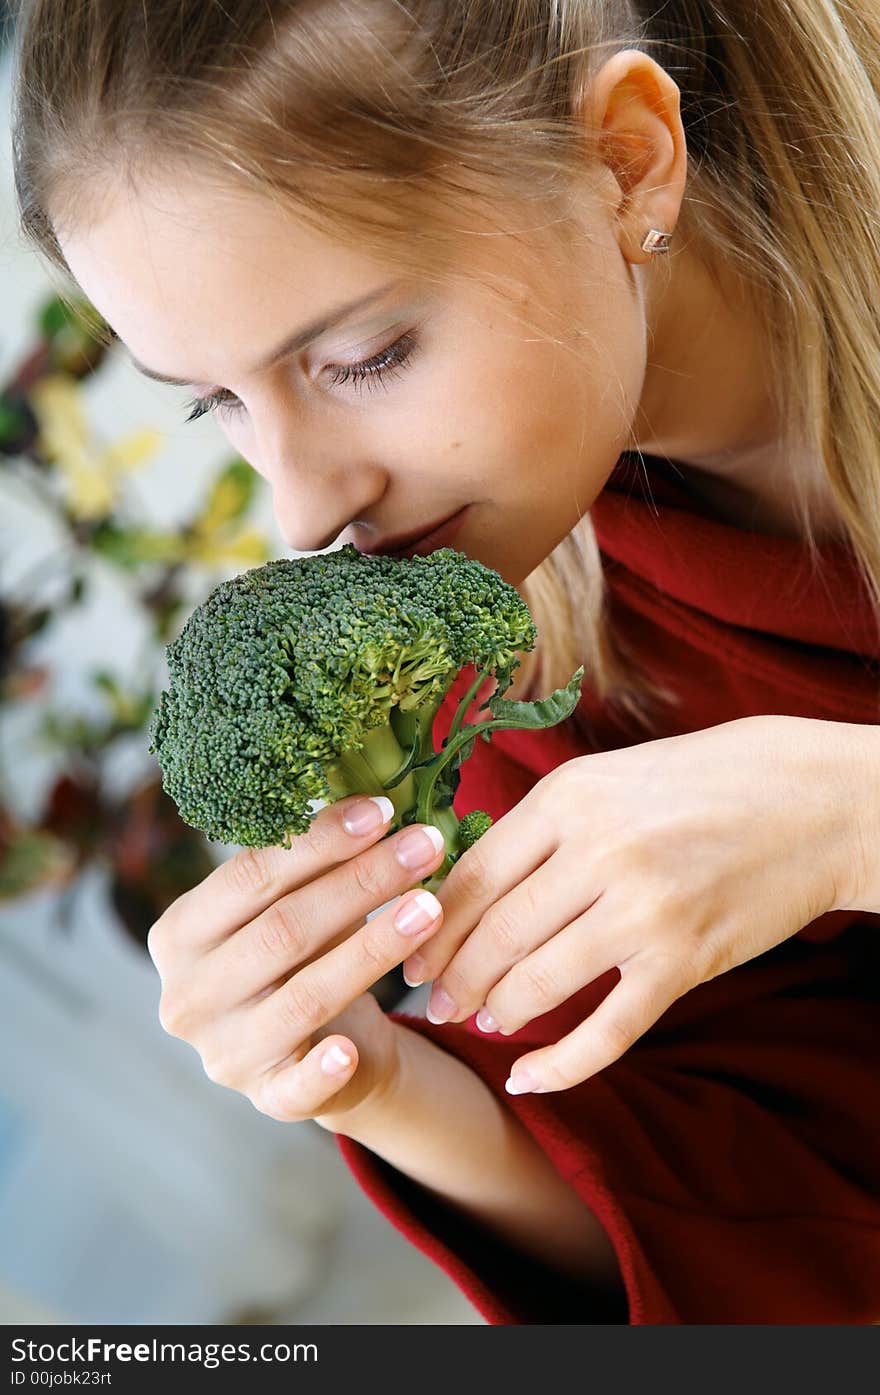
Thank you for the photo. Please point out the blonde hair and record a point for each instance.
(380, 119)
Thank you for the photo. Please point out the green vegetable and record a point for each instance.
(319, 677)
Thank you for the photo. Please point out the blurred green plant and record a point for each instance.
(49, 450)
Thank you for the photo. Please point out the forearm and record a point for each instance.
(444, 1127)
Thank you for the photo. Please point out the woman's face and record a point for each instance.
(474, 408)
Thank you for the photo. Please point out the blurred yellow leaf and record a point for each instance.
(91, 473)
(230, 495)
(133, 451)
(216, 538)
(248, 547)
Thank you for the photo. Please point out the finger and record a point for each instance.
(567, 962)
(323, 989)
(643, 994)
(508, 852)
(511, 931)
(309, 1085)
(254, 878)
(309, 922)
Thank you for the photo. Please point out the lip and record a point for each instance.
(419, 544)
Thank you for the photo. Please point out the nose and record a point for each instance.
(296, 533)
(307, 497)
(325, 542)
(317, 490)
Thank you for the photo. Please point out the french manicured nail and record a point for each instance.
(367, 815)
(414, 971)
(441, 1007)
(522, 1082)
(486, 1022)
(335, 1060)
(419, 847)
(417, 913)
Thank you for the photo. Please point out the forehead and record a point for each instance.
(186, 272)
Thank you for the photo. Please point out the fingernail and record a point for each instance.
(441, 1007)
(520, 1083)
(417, 913)
(334, 1060)
(414, 971)
(367, 815)
(486, 1022)
(419, 846)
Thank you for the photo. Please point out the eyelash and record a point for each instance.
(368, 371)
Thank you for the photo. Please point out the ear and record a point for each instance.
(632, 112)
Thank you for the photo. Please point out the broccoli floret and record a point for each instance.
(319, 677)
(472, 827)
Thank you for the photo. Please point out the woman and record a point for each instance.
(615, 271)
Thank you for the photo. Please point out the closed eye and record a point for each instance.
(367, 372)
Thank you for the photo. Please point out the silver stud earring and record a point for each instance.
(656, 241)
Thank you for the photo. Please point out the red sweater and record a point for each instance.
(732, 1154)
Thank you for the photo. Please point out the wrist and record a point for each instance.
(859, 875)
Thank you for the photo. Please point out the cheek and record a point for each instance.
(548, 408)
(612, 351)
(576, 416)
(567, 407)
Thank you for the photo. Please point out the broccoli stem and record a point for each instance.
(424, 807)
(465, 703)
(369, 770)
(447, 821)
(427, 776)
(387, 749)
(420, 720)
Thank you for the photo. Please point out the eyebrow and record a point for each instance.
(298, 340)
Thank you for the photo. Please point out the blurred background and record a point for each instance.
(132, 1188)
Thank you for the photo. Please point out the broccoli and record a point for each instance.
(319, 677)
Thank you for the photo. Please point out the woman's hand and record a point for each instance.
(674, 860)
(268, 958)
